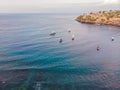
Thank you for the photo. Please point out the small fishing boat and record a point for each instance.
(112, 39)
(73, 37)
(98, 48)
(69, 30)
(60, 41)
(52, 33)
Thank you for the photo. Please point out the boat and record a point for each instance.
(60, 41)
(112, 39)
(98, 48)
(73, 37)
(52, 33)
(69, 30)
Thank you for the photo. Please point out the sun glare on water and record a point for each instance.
(111, 1)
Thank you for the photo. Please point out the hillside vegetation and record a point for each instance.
(101, 17)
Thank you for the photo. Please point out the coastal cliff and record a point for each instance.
(101, 17)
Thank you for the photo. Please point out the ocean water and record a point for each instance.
(31, 59)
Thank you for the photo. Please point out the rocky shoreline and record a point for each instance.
(101, 18)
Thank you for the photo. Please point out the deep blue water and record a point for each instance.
(31, 59)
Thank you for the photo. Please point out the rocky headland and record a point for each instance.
(111, 17)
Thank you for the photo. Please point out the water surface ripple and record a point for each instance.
(31, 59)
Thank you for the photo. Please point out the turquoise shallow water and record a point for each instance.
(31, 59)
